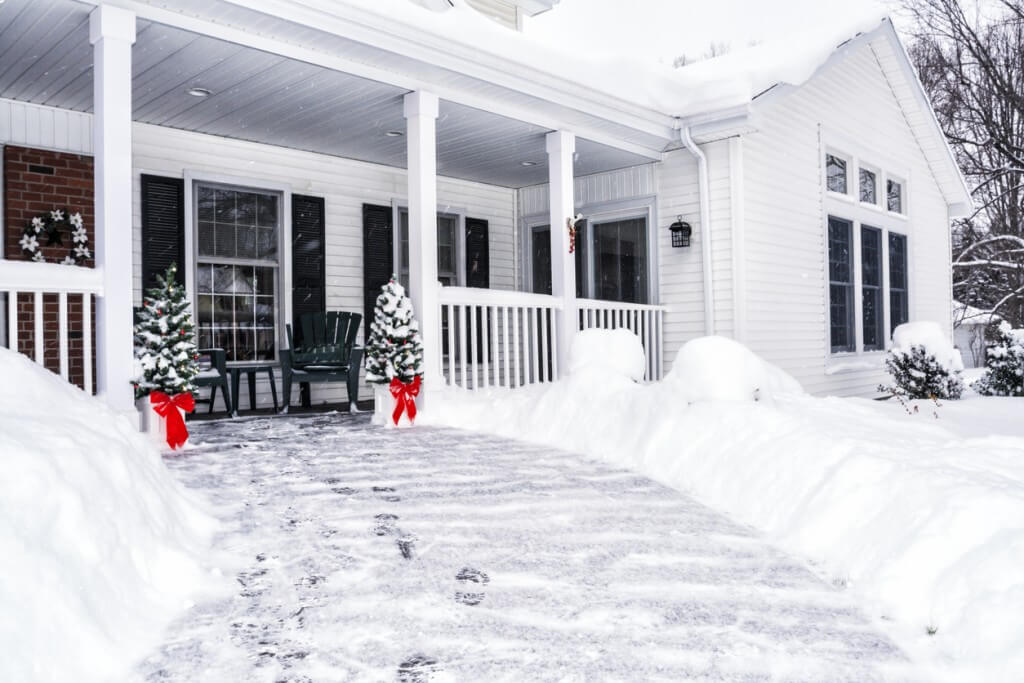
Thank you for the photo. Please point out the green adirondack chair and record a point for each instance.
(326, 352)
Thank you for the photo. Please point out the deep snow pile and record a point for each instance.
(926, 524)
(101, 547)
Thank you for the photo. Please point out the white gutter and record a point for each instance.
(705, 226)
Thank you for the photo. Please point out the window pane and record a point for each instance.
(267, 211)
(264, 311)
(223, 278)
(243, 283)
(205, 313)
(245, 345)
(841, 329)
(205, 203)
(899, 300)
(871, 288)
(266, 345)
(244, 311)
(620, 260)
(835, 171)
(205, 238)
(223, 310)
(245, 208)
(204, 278)
(224, 206)
(224, 240)
(246, 235)
(895, 194)
(868, 187)
(266, 246)
(264, 281)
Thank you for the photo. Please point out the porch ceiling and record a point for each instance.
(45, 58)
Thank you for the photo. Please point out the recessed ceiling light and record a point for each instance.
(199, 92)
(394, 133)
(527, 163)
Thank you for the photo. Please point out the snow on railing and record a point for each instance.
(25, 283)
(500, 338)
(644, 320)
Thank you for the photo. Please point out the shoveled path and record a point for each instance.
(434, 554)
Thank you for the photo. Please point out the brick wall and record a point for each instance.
(36, 181)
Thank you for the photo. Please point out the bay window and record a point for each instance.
(840, 276)
(872, 311)
(899, 306)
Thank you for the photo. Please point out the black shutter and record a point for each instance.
(478, 256)
(308, 262)
(163, 228)
(378, 243)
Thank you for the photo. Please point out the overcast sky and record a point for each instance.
(664, 29)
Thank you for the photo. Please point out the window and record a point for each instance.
(899, 305)
(894, 192)
(447, 248)
(868, 186)
(540, 258)
(620, 260)
(237, 271)
(873, 313)
(835, 173)
(840, 275)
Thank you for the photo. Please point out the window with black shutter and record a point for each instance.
(163, 227)
(308, 264)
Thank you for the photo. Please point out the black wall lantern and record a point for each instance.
(681, 232)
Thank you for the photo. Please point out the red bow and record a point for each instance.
(405, 397)
(167, 407)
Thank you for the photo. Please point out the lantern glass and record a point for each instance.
(680, 234)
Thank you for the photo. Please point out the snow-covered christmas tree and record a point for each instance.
(395, 348)
(165, 341)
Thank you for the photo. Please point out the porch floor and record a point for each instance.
(434, 554)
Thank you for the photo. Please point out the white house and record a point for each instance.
(291, 154)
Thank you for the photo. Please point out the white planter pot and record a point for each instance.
(152, 424)
(384, 406)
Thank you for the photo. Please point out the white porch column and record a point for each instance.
(421, 138)
(561, 147)
(112, 33)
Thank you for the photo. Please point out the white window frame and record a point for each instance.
(849, 207)
(597, 213)
(400, 205)
(283, 308)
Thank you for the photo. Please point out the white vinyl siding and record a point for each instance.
(786, 217)
(345, 184)
(502, 11)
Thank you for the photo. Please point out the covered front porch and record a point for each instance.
(286, 171)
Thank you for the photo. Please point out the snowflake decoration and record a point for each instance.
(29, 243)
(56, 215)
(38, 224)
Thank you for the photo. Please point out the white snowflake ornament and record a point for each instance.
(69, 260)
(82, 251)
(37, 224)
(76, 220)
(29, 243)
(38, 257)
(57, 215)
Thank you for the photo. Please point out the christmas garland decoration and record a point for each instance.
(50, 225)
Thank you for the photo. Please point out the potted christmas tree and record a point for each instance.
(394, 357)
(165, 354)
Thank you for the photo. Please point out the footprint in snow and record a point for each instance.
(417, 669)
(385, 524)
(405, 545)
(386, 493)
(471, 578)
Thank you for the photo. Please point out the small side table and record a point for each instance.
(250, 371)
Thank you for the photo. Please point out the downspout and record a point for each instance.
(705, 224)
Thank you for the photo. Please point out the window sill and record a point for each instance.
(855, 361)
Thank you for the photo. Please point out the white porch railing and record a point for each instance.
(492, 337)
(644, 320)
(33, 281)
(501, 338)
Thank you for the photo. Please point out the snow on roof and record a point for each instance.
(721, 82)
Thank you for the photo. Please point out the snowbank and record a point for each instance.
(931, 337)
(101, 548)
(608, 351)
(720, 369)
(923, 521)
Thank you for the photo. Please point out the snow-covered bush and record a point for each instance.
(616, 352)
(720, 369)
(1004, 364)
(923, 363)
(101, 546)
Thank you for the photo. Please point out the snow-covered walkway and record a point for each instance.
(436, 554)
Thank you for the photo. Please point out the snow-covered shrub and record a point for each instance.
(101, 546)
(923, 363)
(1004, 364)
(720, 369)
(616, 352)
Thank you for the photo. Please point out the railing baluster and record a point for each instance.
(504, 344)
(535, 337)
(493, 350)
(451, 345)
(62, 332)
(87, 342)
(474, 352)
(648, 347)
(38, 320)
(554, 344)
(515, 345)
(462, 344)
(485, 346)
(545, 349)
